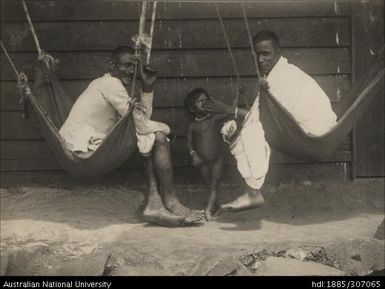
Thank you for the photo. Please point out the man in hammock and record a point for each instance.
(297, 92)
(99, 108)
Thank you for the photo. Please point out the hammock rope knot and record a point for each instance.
(24, 91)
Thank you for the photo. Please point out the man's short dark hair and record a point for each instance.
(192, 96)
(267, 35)
(120, 50)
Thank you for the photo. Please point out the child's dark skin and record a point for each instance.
(205, 145)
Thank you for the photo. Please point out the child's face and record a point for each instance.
(199, 103)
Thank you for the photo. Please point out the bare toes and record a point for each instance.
(221, 209)
(193, 221)
(209, 216)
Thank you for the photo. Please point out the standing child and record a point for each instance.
(205, 144)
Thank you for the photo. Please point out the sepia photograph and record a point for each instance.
(192, 138)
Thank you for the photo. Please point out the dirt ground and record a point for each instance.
(303, 229)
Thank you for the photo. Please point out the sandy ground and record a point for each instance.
(303, 229)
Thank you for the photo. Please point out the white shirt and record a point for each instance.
(95, 112)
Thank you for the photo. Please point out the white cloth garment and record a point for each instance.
(98, 109)
(250, 150)
(302, 97)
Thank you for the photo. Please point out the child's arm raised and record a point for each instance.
(222, 117)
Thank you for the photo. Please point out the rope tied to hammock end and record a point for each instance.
(142, 41)
(142, 45)
(24, 91)
(263, 84)
(50, 61)
(22, 81)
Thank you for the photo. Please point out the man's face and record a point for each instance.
(267, 56)
(124, 68)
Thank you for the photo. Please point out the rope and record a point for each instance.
(10, 60)
(39, 51)
(142, 19)
(140, 37)
(228, 43)
(133, 80)
(236, 98)
(250, 41)
(151, 31)
(22, 83)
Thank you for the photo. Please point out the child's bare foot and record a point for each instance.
(209, 215)
(211, 205)
(249, 200)
(210, 210)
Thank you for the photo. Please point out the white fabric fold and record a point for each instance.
(302, 97)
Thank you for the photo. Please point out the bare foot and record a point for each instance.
(209, 216)
(163, 217)
(174, 206)
(194, 220)
(209, 212)
(250, 200)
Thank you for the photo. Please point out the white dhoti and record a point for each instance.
(252, 154)
(145, 131)
(250, 149)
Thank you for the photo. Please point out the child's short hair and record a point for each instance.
(192, 96)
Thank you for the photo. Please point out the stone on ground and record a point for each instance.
(278, 266)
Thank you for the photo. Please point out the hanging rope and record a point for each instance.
(22, 84)
(250, 41)
(228, 43)
(151, 32)
(237, 95)
(133, 80)
(48, 59)
(137, 41)
(142, 40)
(22, 79)
(38, 48)
(10, 60)
(142, 19)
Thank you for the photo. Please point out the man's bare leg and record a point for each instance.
(251, 199)
(164, 172)
(155, 212)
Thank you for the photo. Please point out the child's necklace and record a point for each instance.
(202, 118)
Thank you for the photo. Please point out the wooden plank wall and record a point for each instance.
(368, 40)
(188, 50)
